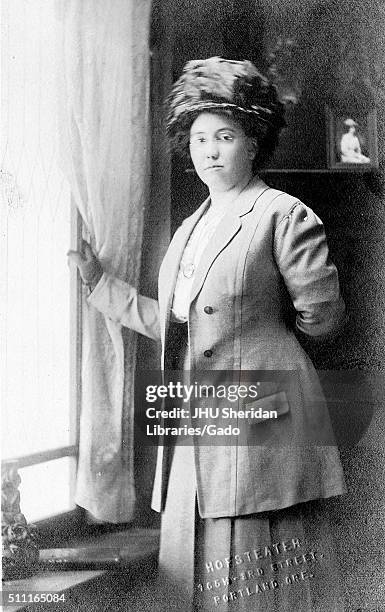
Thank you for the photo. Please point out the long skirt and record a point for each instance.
(274, 561)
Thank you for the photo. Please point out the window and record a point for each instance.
(40, 299)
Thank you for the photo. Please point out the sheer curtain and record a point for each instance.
(104, 108)
(35, 211)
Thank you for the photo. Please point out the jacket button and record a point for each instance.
(208, 353)
(208, 309)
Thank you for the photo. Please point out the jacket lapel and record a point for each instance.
(226, 230)
(170, 266)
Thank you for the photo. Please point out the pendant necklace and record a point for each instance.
(188, 268)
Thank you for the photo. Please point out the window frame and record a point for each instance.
(75, 360)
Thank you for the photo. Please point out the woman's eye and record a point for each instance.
(226, 137)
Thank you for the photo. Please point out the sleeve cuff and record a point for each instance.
(97, 290)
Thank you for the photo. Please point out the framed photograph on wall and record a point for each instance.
(351, 140)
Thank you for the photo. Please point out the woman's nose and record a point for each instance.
(212, 150)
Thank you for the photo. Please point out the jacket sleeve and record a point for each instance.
(302, 256)
(120, 302)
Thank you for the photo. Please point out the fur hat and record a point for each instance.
(220, 84)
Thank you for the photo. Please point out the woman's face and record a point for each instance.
(221, 152)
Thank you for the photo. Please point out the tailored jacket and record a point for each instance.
(267, 259)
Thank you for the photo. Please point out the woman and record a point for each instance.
(240, 527)
(350, 145)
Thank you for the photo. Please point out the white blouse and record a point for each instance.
(198, 241)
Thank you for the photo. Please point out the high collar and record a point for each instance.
(248, 196)
(242, 204)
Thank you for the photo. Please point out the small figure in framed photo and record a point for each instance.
(352, 140)
(350, 145)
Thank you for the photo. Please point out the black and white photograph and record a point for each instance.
(192, 305)
(352, 140)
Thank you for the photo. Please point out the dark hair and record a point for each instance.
(266, 134)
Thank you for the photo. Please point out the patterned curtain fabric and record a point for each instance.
(104, 124)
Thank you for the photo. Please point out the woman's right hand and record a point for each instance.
(89, 266)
